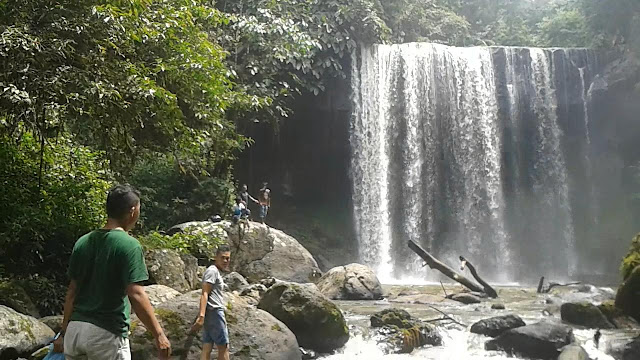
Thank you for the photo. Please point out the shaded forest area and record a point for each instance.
(162, 94)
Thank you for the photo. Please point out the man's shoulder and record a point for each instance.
(124, 241)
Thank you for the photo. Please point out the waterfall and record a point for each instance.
(466, 151)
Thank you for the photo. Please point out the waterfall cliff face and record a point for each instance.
(482, 152)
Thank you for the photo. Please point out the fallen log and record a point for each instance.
(434, 263)
(491, 292)
(545, 290)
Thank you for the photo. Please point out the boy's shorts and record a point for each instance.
(215, 328)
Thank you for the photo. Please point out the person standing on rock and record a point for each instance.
(264, 199)
(245, 196)
(211, 315)
(106, 267)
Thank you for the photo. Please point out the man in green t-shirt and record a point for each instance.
(106, 269)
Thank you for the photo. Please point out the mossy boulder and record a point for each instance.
(400, 333)
(628, 296)
(21, 334)
(392, 317)
(253, 333)
(14, 296)
(584, 314)
(316, 321)
(617, 317)
(54, 322)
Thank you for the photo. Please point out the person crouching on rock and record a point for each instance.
(106, 267)
(211, 315)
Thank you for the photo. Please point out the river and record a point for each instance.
(458, 342)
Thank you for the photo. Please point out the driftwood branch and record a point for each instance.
(491, 292)
(447, 316)
(443, 289)
(434, 263)
(540, 285)
(543, 290)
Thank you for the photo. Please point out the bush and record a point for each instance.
(632, 259)
(196, 243)
(172, 195)
(49, 200)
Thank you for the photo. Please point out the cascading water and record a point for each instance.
(481, 152)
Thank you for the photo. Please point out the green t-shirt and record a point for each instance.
(103, 264)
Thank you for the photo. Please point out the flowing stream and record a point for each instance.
(458, 342)
(482, 152)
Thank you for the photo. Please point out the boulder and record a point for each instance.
(573, 352)
(20, 334)
(167, 268)
(584, 314)
(543, 340)
(261, 251)
(253, 333)
(400, 333)
(159, 294)
(617, 317)
(466, 298)
(632, 350)
(392, 317)
(495, 326)
(191, 271)
(54, 322)
(350, 282)
(14, 296)
(628, 296)
(498, 306)
(317, 322)
(234, 281)
(253, 293)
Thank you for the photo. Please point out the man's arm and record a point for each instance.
(143, 309)
(204, 297)
(69, 299)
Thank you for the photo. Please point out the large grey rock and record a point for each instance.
(584, 314)
(350, 282)
(543, 340)
(628, 296)
(54, 322)
(234, 281)
(167, 268)
(317, 322)
(253, 334)
(573, 352)
(14, 296)
(21, 334)
(466, 298)
(261, 251)
(191, 271)
(159, 294)
(495, 326)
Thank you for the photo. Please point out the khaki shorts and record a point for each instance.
(85, 341)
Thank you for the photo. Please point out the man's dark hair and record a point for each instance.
(223, 248)
(120, 200)
(265, 184)
(238, 199)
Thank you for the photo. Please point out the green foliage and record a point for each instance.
(418, 20)
(565, 28)
(189, 242)
(124, 76)
(171, 195)
(282, 48)
(632, 259)
(51, 196)
(46, 292)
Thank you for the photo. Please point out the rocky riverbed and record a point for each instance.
(458, 342)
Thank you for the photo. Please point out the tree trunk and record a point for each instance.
(447, 271)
